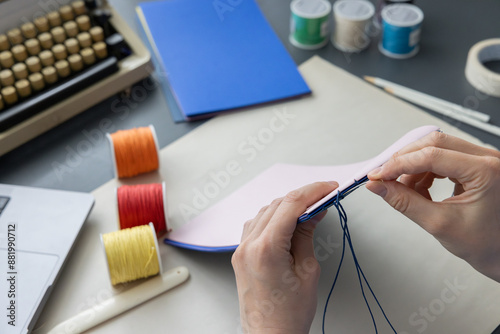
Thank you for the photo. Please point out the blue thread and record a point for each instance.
(355, 185)
(359, 271)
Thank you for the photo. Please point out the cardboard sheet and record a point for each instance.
(422, 287)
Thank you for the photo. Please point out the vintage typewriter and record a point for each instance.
(56, 62)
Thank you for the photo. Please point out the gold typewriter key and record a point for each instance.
(79, 7)
(83, 22)
(97, 33)
(75, 62)
(58, 34)
(49, 74)
(100, 50)
(59, 52)
(46, 58)
(15, 36)
(36, 81)
(42, 24)
(20, 71)
(66, 13)
(34, 64)
(29, 30)
(84, 39)
(54, 19)
(23, 88)
(88, 56)
(71, 28)
(4, 43)
(45, 40)
(62, 67)
(72, 45)
(19, 52)
(7, 78)
(33, 46)
(6, 59)
(9, 95)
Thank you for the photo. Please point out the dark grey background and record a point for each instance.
(450, 28)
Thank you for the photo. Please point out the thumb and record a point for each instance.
(302, 240)
(410, 203)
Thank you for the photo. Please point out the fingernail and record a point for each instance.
(378, 188)
(333, 183)
(375, 173)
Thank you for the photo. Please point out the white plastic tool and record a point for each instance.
(122, 302)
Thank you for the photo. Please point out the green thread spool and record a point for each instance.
(309, 23)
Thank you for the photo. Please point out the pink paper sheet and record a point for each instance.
(219, 228)
(222, 224)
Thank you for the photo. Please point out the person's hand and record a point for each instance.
(276, 271)
(468, 223)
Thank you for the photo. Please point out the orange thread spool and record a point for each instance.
(135, 151)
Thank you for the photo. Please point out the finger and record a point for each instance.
(302, 241)
(422, 211)
(284, 221)
(424, 184)
(449, 142)
(249, 226)
(261, 223)
(448, 163)
(459, 189)
(411, 180)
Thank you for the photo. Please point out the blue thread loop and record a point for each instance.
(355, 185)
(359, 271)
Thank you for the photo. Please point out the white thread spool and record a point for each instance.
(352, 18)
(480, 77)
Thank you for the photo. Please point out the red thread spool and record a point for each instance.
(142, 204)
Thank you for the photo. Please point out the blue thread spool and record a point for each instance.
(401, 30)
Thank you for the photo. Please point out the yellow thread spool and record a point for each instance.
(132, 253)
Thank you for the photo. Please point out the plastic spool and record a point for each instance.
(141, 169)
(478, 75)
(127, 265)
(390, 2)
(401, 25)
(309, 23)
(352, 19)
(380, 5)
(141, 204)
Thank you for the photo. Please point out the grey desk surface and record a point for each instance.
(75, 156)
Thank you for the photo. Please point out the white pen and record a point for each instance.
(426, 100)
(458, 116)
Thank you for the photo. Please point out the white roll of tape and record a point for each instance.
(480, 77)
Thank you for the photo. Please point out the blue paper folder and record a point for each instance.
(217, 55)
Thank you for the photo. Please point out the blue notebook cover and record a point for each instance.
(217, 56)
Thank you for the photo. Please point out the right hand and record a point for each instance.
(467, 223)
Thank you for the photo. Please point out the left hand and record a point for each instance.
(276, 271)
